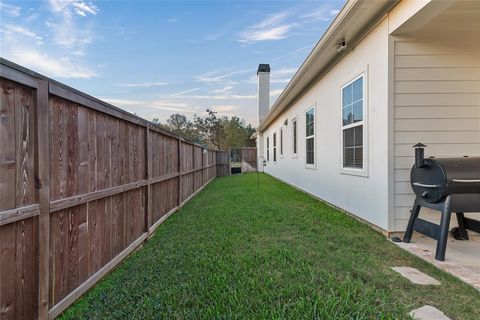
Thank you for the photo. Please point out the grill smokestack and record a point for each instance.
(419, 155)
(263, 90)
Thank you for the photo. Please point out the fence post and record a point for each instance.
(148, 173)
(43, 185)
(193, 168)
(179, 171)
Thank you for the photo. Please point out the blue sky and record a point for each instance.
(155, 58)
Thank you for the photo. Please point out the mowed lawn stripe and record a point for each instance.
(234, 252)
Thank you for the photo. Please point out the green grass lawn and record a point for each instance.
(235, 253)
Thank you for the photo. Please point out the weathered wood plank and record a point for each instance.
(59, 138)
(95, 104)
(7, 141)
(17, 214)
(148, 174)
(19, 77)
(43, 114)
(74, 295)
(7, 265)
(93, 236)
(59, 268)
(26, 269)
(25, 143)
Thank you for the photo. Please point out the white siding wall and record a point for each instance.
(366, 197)
(436, 102)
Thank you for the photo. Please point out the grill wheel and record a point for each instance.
(459, 234)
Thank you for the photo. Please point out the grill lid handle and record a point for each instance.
(466, 180)
(418, 184)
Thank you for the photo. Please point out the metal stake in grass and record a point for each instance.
(264, 163)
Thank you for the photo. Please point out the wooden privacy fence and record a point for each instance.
(82, 184)
(223, 163)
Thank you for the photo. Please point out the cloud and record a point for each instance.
(223, 90)
(275, 92)
(170, 106)
(142, 84)
(219, 76)
(271, 20)
(66, 33)
(10, 10)
(11, 32)
(54, 67)
(223, 108)
(123, 102)
(291, 53)
(223, 97)
(321, 13)
(83, 8)
(276, 76)
(66, 7)
(58, 59)
(135, 105)
(273, 27)
(334, 12)
(213, 36)
(181, 93)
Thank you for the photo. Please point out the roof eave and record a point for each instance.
(327, 41)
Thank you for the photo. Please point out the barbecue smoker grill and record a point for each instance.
(447, 185)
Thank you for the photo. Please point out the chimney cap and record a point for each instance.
(263, 67)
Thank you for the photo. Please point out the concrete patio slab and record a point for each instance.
(462, 258)
(428, 313)
(416, 276)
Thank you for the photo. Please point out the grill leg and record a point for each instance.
(444, 226)
(411, 222)
(462, 232)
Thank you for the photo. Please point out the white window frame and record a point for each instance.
(294, 138)
(363, 172)
(280, 131)
(308, 165)
(274, 147)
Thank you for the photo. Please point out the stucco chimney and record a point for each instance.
(263, 90)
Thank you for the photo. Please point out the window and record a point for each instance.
(310, 136)
(274, 147)
(268, 149)
(294, 129)
(352, 124)
(281, 142)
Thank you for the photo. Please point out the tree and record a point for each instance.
(178, 123)
(210, 129)
(217, 132)
(237, 134)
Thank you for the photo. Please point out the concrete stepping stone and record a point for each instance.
(428, 313)
(416, 276)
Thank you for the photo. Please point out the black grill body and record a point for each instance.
(437, 178)
(447, 185)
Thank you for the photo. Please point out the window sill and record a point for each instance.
(294, 156)
(311, 166)
(355, 172)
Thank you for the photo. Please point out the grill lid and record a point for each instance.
(434, 178)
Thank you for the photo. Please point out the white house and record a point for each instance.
(384, 76)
